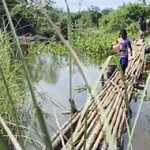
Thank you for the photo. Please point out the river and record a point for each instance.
(50, 76)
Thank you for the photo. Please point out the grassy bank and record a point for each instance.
(13, 76)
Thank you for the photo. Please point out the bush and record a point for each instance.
(13, 77)
(123, 17)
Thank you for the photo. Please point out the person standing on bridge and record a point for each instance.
(142, 26)
(124, 46)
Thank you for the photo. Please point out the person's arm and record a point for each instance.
(130, 47)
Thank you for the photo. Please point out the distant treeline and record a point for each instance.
(28, 20)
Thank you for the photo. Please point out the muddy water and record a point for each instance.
(141, 138)
(50, 76)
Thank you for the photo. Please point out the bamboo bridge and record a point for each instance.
(104, 119)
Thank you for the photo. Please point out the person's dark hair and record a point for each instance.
(123, 34)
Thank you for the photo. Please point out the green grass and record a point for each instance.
(39, 113)
(12, 83)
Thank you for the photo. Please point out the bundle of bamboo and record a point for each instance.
(106, 117)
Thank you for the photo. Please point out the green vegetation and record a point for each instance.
(89, 33)
(92, 34)
(13, 76)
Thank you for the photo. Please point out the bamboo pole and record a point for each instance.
(94, 133)
(118, 100)
(82, 129)
(98, 129)
(111, 98)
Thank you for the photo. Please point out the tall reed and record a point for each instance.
(10, 134)
(40, 116)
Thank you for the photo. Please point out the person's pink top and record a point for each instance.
(124, 46)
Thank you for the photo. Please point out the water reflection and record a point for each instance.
(46, 68)
(50, 75)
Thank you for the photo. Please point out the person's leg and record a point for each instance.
(123, 64)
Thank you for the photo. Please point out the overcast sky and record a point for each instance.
(75, 4)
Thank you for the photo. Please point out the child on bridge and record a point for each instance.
(124, 46)
(122, 49)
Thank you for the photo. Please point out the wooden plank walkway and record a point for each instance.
(107, 115)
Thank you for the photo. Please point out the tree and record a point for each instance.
(106, 11)
(64, 29)
(95, 15)
(10, 3)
